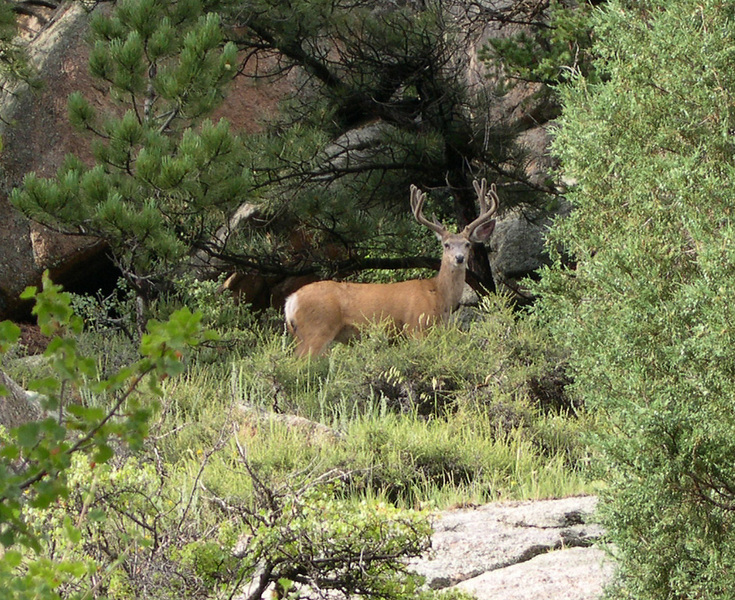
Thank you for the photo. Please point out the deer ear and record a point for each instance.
(481, 233)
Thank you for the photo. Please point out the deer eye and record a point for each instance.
(446, 245)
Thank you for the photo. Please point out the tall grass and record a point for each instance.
(457, 416)
(450, 418)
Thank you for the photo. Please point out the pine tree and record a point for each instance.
(161, 173)
(380, 102)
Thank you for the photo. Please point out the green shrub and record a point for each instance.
(445, 419)
(647, 314)
(37, 473)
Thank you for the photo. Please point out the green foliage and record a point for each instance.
(164, 179)
(154, 535)
(553, 52)
(646, 314)
(36, 457)
(234, 321)
(9, 335)
(136, 530)
(379, 103)
(105, 314)
(133, 491)
(313, 539)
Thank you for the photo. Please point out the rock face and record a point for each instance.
(541, 550)
(573, 574)
(36, 136)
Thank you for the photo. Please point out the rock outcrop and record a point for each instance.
(534, 550)
(36, 136)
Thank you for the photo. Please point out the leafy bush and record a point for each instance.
(36, 457)
(151, 538)
(647, 314)
(556, 50)
(311, 538)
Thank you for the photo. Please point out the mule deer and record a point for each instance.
(324, 311)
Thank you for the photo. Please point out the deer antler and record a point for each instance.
(486, 212)
(418, 198)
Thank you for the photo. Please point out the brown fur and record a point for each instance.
(322, 312)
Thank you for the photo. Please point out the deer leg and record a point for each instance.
(312, 343)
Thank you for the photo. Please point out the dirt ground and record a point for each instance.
(32, 339)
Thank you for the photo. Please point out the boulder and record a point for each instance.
(571, 574)
(36, 136)
(518, 246)
(519, 550)
(17, 406)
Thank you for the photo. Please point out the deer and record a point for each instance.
(326, 311)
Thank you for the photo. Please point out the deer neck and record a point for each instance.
(450, 283)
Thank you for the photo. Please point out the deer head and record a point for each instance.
(456, 246)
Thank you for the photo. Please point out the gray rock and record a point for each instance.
(17, 406)
(543, 545)
(518, 246)
(571, 574)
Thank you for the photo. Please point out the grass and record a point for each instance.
(458, 417)
(448, 419)
(452, 418)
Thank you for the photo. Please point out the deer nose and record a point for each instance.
(460, 259)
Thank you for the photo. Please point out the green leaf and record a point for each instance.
(27, 434)
(73, 534)
(12, 558)
(9, 335)
(103, 454)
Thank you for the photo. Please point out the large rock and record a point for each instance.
(571, 574)
(518, 246)
(519, 550)
(17, 406)
(36, 136)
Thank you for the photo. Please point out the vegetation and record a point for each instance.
(553, 50)
(240, 467)
(646, 313)
(193, 485)
(36, 456)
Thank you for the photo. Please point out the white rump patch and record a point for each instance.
(292, 304)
